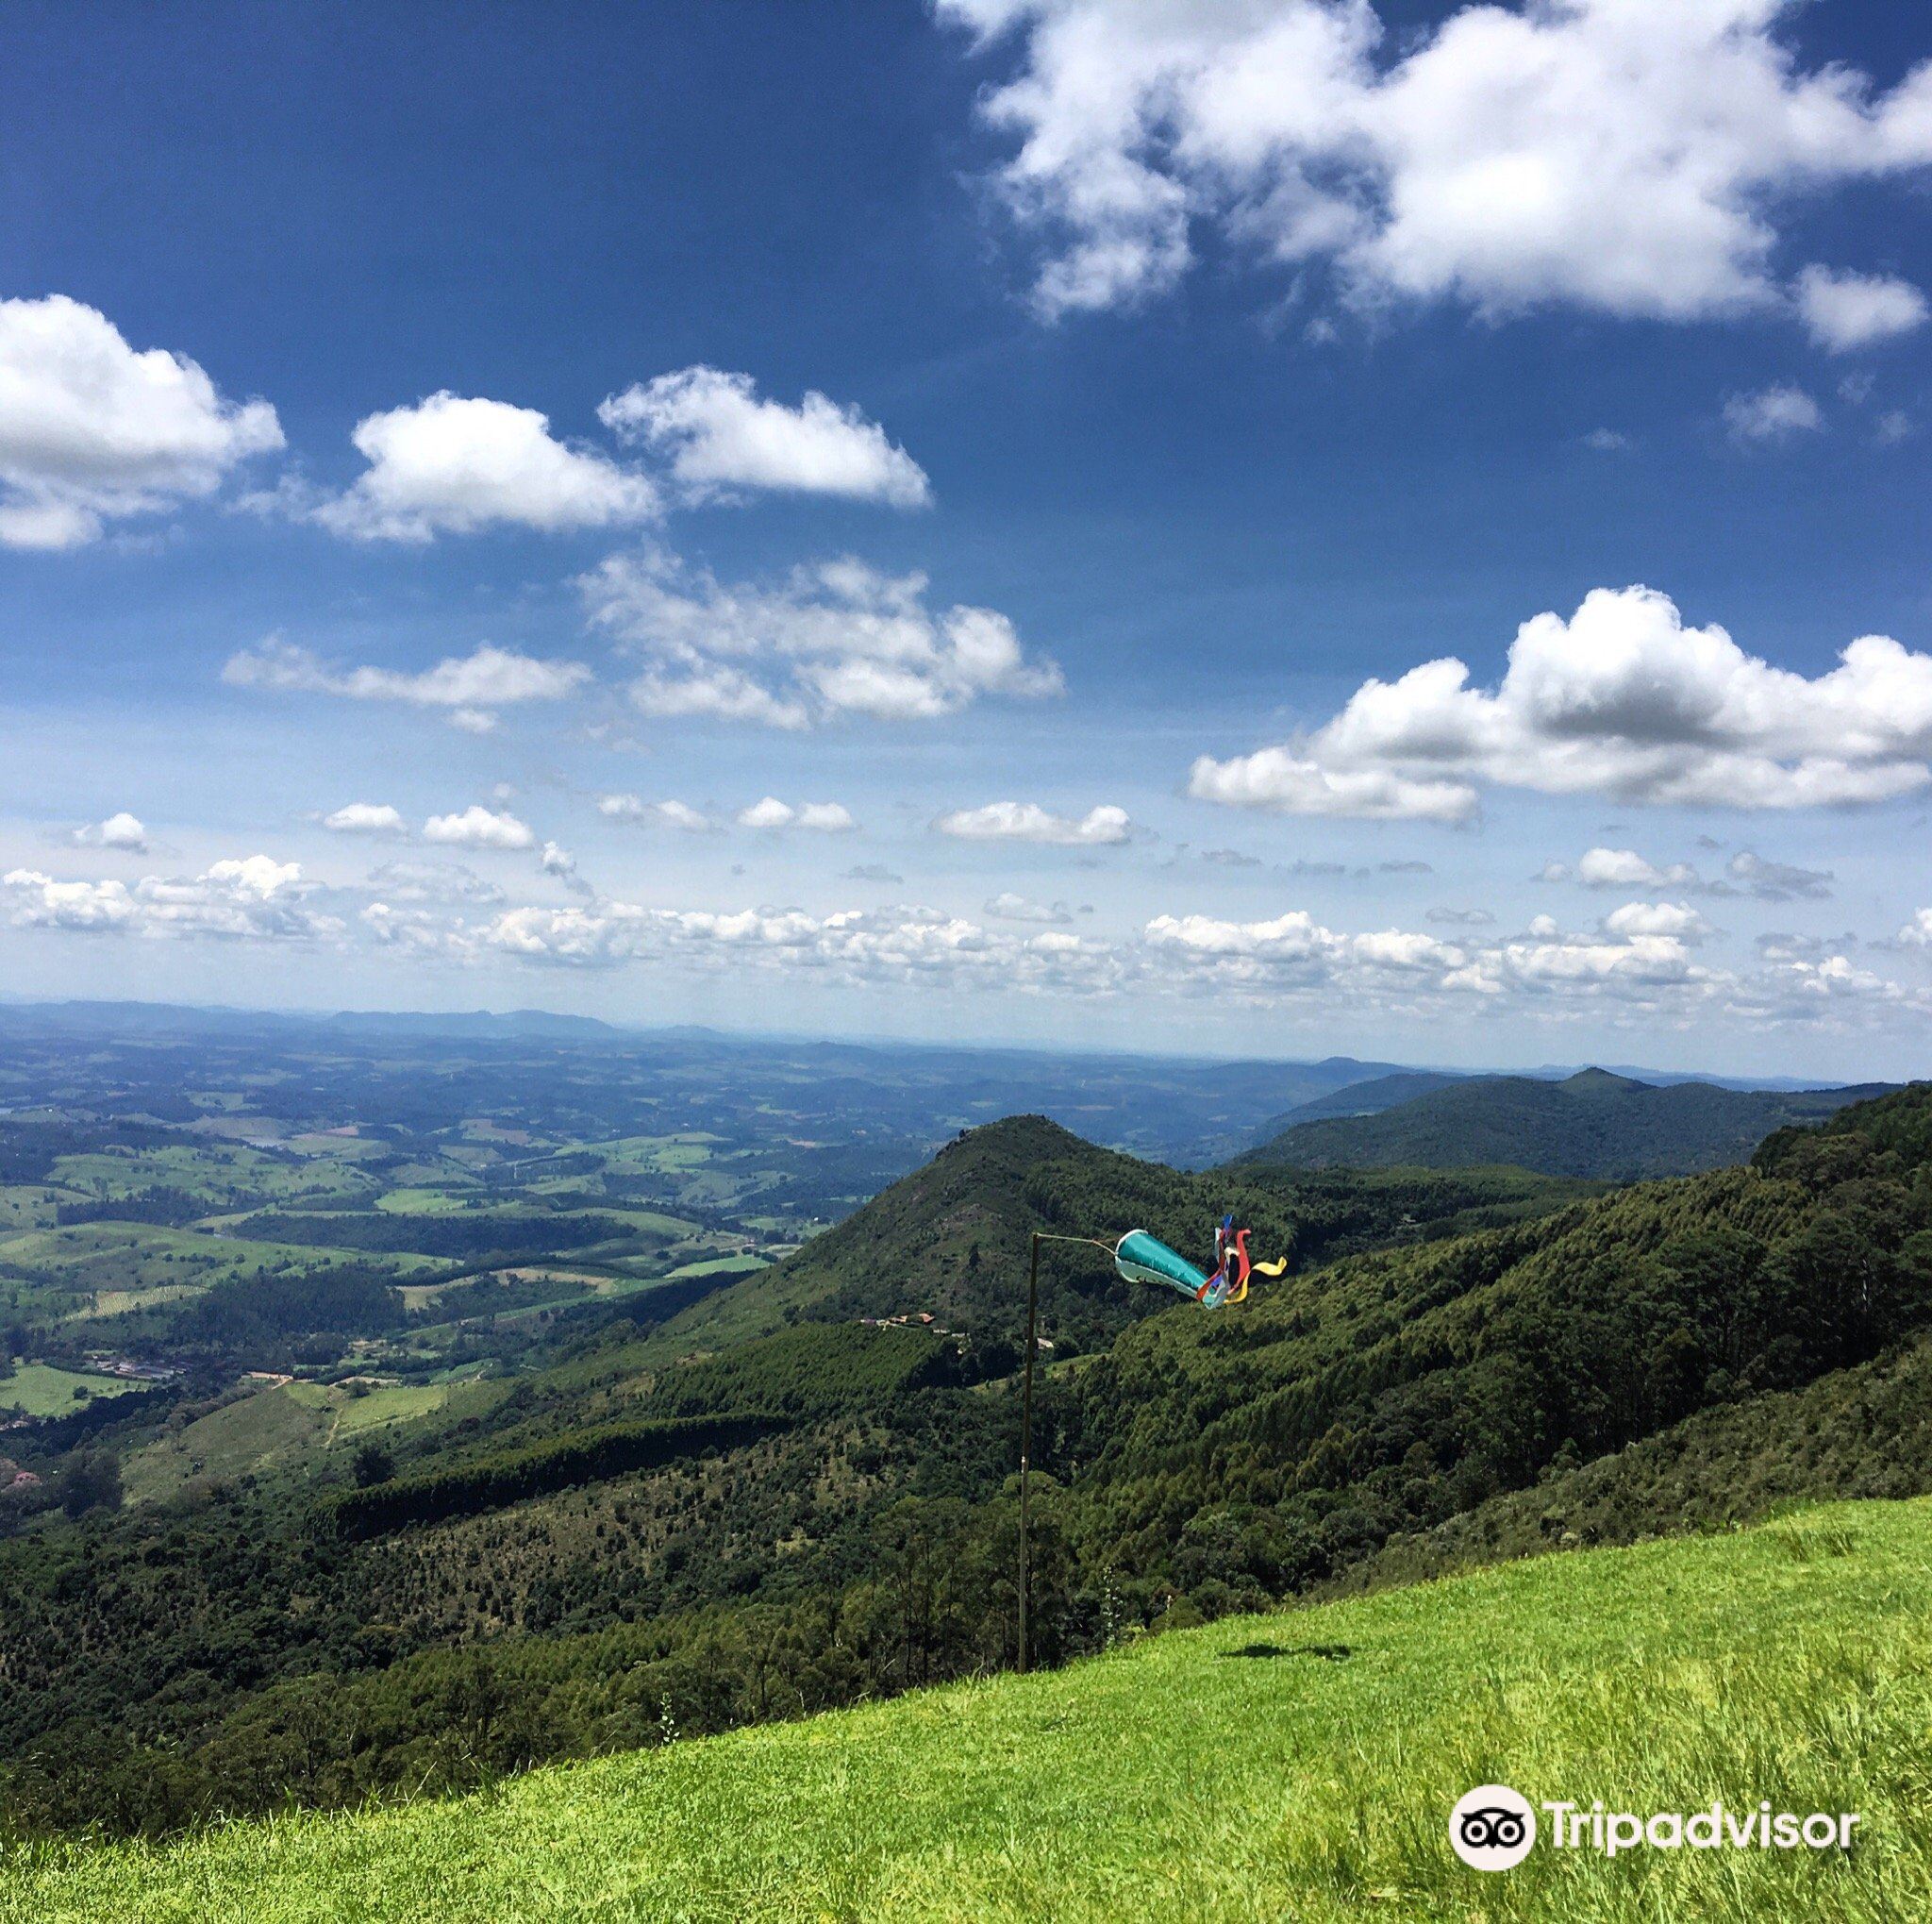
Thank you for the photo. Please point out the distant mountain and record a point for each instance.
(537, 1024)
(175, 1018)
(1367, 1098)
(1592, 1124)
(952, 1238)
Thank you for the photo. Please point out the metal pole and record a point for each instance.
(1027, 1434)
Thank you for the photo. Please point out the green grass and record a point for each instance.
(31, 1206)
(1300, 1765)
(217, 1171)
(287, 1427)
(142, 1256)
(741, 1264)
(423, 1202)
(38, 1389)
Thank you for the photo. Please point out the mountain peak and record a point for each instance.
(1599, 1082)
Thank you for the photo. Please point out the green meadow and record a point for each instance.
(1299, 1764)
(40, 1389)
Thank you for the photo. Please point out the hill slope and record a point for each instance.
(1593, 1123)
(951, 1238)
(1295, 1765)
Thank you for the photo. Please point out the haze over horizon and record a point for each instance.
(1266, 531)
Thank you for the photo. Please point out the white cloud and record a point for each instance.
(1746, 872)
(835, 639)
(1778, 881)
(1772, 415)
(1624, 157)
(902, 945)
(251, 898)
(1007, 907)
(466, 687)
(827, 818)
(719, 434)
(1918, 932)
(91, 430)
(668, 814)
(1676, 919)
(1101, 826)
(366, 818)
(1296, 785)
(453, 465)
(1622, 868)
(1846, 310)
(119, 831)
(478, 827)
(1622, 699)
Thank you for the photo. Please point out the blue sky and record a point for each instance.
(1054, 440)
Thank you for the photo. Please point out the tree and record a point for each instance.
(373, 1464)
(92, 1480)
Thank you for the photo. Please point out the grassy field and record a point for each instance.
(285, 1424)
(141, 1256)
(1299, 1765)
(38, 1389)
(31, 1206)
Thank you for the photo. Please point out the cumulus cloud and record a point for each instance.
(119, 831)
(1676, 919)
(1104, 825)
(1623, 157)
(468, 688)
(1772, 415)
(1461, 918)
(1918, 932)
(1622, 868)
(1007, 907)
(253, 896)
(901, 945)
(366, 818)
(666, 814)
(1625, 700)
(1847, 311)
(480, 828)
(718, 433)
(93, 430)
(1745, 874)
(825, 818)
(452, 466)
(832, 639)
(1778, 881)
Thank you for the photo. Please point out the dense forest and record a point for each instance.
(1593, 1123)
(762, 1506)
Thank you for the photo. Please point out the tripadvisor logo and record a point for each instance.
(1494, 1828)
(1491, 1826)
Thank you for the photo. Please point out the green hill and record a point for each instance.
(1593, 1123)
(556, 1555)
(1388, 1393)
(1294, 1764)
(1361, 1098)
(951, 1238)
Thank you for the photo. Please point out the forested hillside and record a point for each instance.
(952, 1238)
(1592, 1124)
(761, 1506)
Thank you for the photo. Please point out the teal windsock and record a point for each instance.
(1141, 1257)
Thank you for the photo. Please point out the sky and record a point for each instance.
(1238, 527)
